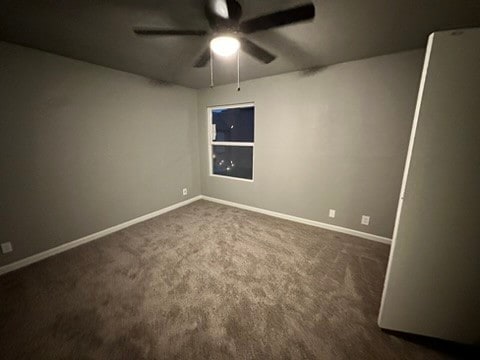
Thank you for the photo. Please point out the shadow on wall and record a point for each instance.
(159, 83)
(312, 71)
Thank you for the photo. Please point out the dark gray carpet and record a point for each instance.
(204, 282)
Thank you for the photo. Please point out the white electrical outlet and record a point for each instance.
(6, 247)
(331, 213)
(365, 220)
(185, 191)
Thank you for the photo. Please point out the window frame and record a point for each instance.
(211, 143)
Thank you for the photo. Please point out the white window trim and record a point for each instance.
(210, 141)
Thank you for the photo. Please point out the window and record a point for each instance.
(231, 141)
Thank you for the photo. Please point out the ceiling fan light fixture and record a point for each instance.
(225, 45)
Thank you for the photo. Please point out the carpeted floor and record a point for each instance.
(205, 281)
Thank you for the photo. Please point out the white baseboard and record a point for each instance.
(381, 239)
(72, 244)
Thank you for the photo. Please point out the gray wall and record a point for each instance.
(433, 277)
(336, 138)
(84, 148)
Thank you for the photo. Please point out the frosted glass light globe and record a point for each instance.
(224, 45)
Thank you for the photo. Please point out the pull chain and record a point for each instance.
(238, 70)
(211, 68)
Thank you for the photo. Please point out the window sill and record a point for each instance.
(231, 178)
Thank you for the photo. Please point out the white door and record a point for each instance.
(432, 285)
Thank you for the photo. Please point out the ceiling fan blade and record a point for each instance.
(280, 18)
(256, 51)
(203, 59)
(218, 8)
(234, 10)
(223, 14)
(167, 32)
(225, 9)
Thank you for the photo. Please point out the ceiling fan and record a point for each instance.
(228, 31)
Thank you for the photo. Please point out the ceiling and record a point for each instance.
(99, 31)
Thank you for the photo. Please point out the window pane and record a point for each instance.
(235, 161)
(234, 124)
